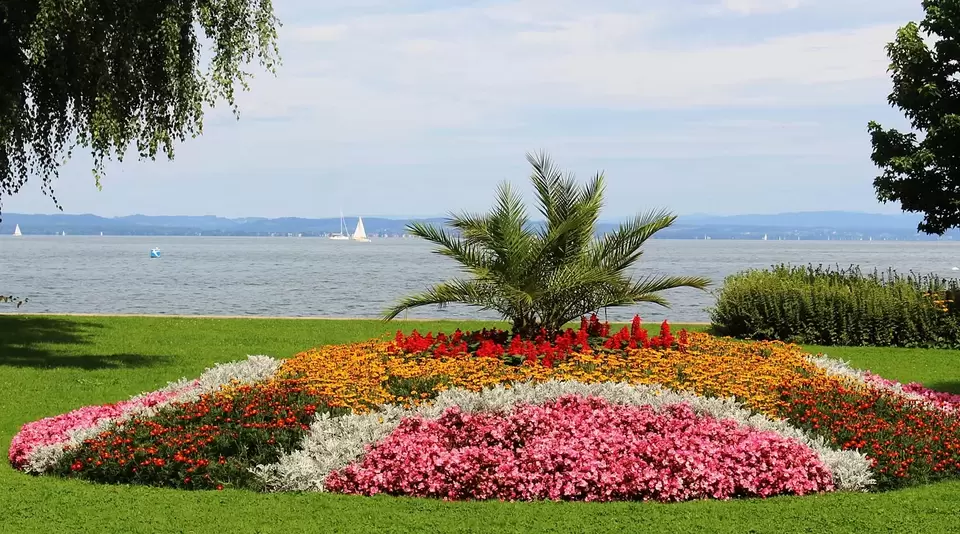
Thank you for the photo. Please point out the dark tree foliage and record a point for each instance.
(107, 75)
(921, 168)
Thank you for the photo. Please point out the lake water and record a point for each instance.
(317, 277)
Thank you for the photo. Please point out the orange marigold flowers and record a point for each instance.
(360, 376)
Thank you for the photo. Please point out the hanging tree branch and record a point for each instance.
(105, 75)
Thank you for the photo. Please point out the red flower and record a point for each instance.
(635, 328)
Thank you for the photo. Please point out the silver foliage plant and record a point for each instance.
(253, 369)
(334, 442)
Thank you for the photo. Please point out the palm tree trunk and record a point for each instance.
(526, 326)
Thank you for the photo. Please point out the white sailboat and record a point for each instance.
(342, 235)
(16, 231)
(764, 237)
(360, 234)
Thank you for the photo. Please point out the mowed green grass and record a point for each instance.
(50, 365)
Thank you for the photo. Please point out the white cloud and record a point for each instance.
(465, 66)
(725, 75)
(442, 84)
(396, 97)
(330, 33)
(752, 7)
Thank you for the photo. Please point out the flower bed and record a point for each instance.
(906, 441)
(591, 414)
(52, 431)
(40, 445)
(206, 443)
(582, 448)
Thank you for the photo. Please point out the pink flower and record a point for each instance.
(578, 448)
(57, 429)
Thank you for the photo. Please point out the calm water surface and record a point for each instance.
(319, 277)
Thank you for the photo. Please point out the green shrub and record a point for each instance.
(824, 306)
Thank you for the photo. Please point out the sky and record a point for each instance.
(421, 107)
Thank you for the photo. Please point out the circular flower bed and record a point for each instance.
(587, 415)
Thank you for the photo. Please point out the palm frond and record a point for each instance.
(469, 255)
(657, 284)
(545, 178)
(593, 190)
(469, 292)
(625, 292)
(571, 286)
(510, 236)
(556, 192)
(568, 238)
(621, 248)
(470, 225)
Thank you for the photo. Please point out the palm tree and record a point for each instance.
(545, 275)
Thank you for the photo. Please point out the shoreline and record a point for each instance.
(260, 317)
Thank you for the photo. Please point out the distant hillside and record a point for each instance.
(802, 225)
(810, 219)
(191, 225)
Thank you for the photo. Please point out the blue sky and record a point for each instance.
(401, 107)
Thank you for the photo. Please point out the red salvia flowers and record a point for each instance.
(593, 335)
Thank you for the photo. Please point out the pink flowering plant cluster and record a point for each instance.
(58, 430)
(40, 445)
(582, 448)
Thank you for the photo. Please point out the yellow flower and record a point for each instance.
(356, 375)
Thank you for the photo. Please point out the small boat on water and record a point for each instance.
(342, 235)
(16, 231)
(155, 252)
(360, 234)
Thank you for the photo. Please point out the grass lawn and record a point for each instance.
(50, 365)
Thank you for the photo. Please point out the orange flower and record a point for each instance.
(359, 376)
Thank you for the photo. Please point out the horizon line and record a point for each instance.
(439, 216)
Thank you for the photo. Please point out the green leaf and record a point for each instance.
(919, 169)
(545, 275)
(111, 76)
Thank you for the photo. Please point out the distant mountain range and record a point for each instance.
(811, 219)
(839, 225)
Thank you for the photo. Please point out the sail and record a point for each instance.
(16, 231)
(359, 234)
